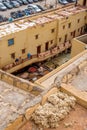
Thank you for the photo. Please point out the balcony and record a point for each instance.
(36, 58)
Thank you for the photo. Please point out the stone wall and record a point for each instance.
(20, 83)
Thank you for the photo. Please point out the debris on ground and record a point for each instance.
(69, 124)
(24, 75)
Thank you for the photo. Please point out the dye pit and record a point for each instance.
(37, 70)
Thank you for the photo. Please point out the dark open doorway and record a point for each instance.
(74, 33)
(46, 46)
(38, 49)
(84, 2)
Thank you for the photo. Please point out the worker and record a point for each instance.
(10, 19)
(41, 69)
(28, 55)
(16, 61)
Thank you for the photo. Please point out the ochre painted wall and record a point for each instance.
(81, 2)
(75, 26)
(25, 39)
(77, 47)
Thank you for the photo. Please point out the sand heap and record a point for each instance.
(54, 110)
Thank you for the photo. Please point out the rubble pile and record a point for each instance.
(54, 110)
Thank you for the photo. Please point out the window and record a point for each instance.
(85, 28)
(60, 39)
(71, 33)
(10, 42)
(63, 26)
(65, 38)
(13, 55)
(52, 30)
(78, 29)
(66, 17)
(42, 25)
(51, 41)
(84, 3)
(74, 33)
(85, 17)
(36, 36)
(78, 20)
(46, 46)
(69, 25)
(23, 51)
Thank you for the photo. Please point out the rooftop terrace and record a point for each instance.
(13, 103)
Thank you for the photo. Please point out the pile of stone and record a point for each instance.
(54, 110)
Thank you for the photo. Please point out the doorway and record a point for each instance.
(46, 46)
(74, 33)
(81, 31)
(84, 2)
(0, 62)
(38, 49)
(65, 38)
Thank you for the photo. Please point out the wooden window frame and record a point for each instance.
(11, 42)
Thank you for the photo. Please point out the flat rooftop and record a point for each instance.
(13, 103)
(26, 23)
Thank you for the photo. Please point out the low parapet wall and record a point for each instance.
(81, 97)
(19, 83)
